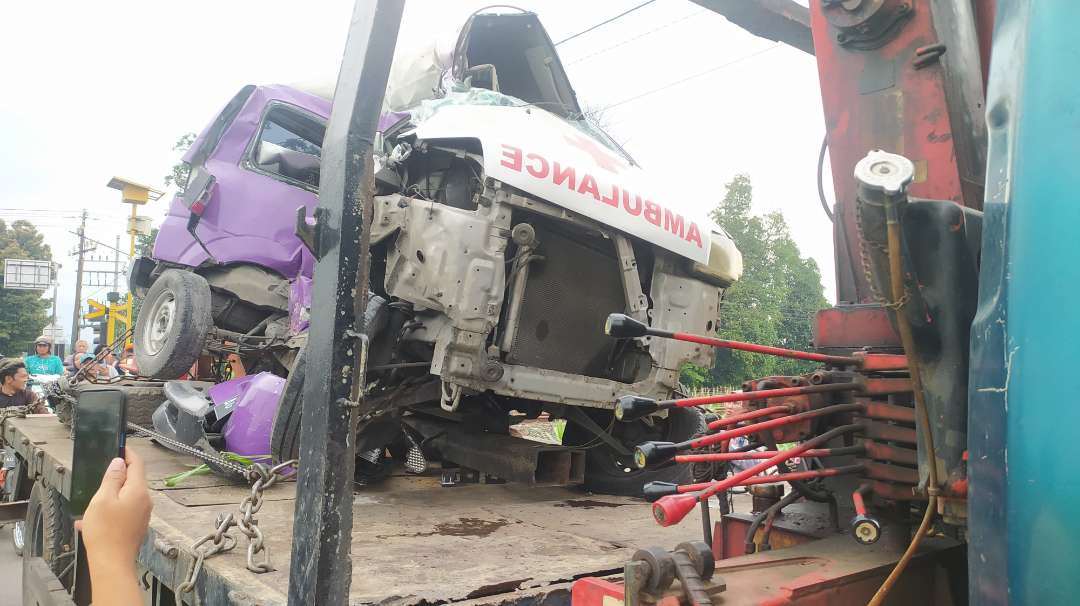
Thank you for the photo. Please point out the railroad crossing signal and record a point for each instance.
(97, 310)
(119, 313)
(108, 316)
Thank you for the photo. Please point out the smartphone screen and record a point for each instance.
(100, 421)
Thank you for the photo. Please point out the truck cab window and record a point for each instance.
(289, 145)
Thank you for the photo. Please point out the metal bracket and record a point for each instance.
(359, 381)
(635, 578)
(868, 25)
(637, 304)
(307, 232)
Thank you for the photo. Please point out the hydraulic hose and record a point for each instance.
(821, 176)
(803, 487)
(907, 339)
(751, 544)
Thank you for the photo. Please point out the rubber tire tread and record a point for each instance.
(683, 424)
(57, 528)
(142, 397)
(285, 432)
(188, 334)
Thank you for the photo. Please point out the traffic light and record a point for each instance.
(101, 329)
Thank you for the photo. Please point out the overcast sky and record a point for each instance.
(93, 90)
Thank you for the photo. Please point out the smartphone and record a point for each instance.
(100, 421)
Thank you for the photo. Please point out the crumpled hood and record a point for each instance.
(511, 50)
(538, 152)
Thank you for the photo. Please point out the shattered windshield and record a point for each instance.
(592, 129)
(483, 96)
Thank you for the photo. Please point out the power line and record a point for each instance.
(691, 77)
(53, 215)
(100, 243)
(602, 23)
(637, 37)
(63, 211)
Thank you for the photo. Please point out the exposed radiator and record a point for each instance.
(567, 297)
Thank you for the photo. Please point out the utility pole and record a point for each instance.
(116, 267)
(52, 321)
(78, 283)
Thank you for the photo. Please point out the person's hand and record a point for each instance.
(116, 519)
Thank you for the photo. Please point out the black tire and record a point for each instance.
(49, 532)
(142, 397)
(285, 432)
(171, 329)
(608, 472)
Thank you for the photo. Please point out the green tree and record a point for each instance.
(144, 247)
(178, 176)
(25, 312)
(144, 244)
(772, 304)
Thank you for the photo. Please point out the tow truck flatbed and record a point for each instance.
(414, 542)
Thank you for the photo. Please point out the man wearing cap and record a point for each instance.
(13, 391)
(43, 362)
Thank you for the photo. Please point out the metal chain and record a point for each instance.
(864, 257)
(81, 372)
(218, 541)
(14, 412)
(233, 466)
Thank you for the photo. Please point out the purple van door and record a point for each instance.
(265, 165)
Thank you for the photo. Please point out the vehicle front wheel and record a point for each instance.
(49, 532)
(609, 472)
(171, 329)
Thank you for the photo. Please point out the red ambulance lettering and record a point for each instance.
(537, 167)
(652, 212)
(693, 235)
(511, 157)
(565, 174)
(588, 186)
(614, 199)
(673, 222)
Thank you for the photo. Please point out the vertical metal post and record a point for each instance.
(706, 522)
(56, 291)
(116, 266)
(77, 313)
(321, 566)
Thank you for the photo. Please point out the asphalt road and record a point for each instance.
(10, 570)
